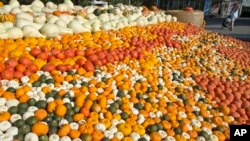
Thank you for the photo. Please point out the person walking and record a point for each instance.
(234, 14)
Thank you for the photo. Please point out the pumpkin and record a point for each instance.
(40, 128)
(97, 135)
(124, 128)
(31, 136)
(61, 110)
(7, 18)
(64, 130)
(155, 136)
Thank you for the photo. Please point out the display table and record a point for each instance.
(194, 17)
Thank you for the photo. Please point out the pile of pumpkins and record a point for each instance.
(119, 73)
(50, 20)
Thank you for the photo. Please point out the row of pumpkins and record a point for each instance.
(50, 20)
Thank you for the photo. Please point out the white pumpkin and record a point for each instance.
(152, 19)
(54, 137)
(41, 19)
(6, 137)
(15, 10)
(15, 117)
(77, 139)
(95, 27)
(64, 30)
(61, 23)
(168, 18)
(13, 83)
(36, 9)
(28, 114)
(106, 26)
(12, 102)
(62, 7)
(69, 3)
(50, 30)
(5, 9)
(32, 108)
(3, 108)
(4, 125)
(12, 131)
(174, 19)
(91, 16)
(66, 18)
(51, 5)
(119, 135)
(2, 101)
(52, 19)
(108, 134)
(100, 127)
(37, 3)
(20, 23)
(65, 138)
(25, 8)
(2, 28)
(14, 3)
(31, 137)
(15, 33)
(76, 26)
(91, 9)
(87, 27)
(135, 136)
(213, 138)
(146, 136)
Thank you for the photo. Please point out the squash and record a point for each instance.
(6, 17)
(30, 31)
(24, 15)
(62, 7)
(20, 23)
(15, 33)
(76, 26)
(31, 137)
(50, 30)
(14, 3)
(37, 3)
(69, 3)
(12, 131)
(54, 137)
(40, 19)
(61, 23)
(4, 125)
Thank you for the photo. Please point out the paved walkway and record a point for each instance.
(241, 28)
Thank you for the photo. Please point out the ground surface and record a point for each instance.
(241, 30)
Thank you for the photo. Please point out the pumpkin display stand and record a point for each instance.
(193, 17)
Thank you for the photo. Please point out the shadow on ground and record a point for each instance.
(241, 29)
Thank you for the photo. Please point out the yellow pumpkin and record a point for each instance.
(125, 129)
(139, 129)
(7, 18)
